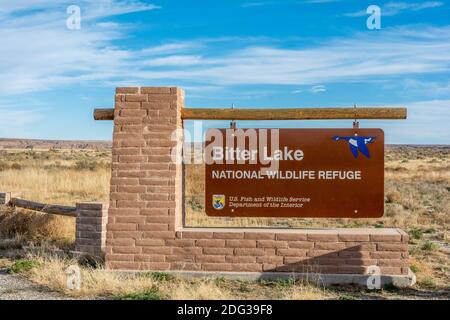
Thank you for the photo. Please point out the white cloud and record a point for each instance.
(251, 4)
(394, 8)
(318, 89)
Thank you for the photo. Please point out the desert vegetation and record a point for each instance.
(417, 199)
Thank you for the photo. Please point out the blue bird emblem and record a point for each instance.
(357, 144)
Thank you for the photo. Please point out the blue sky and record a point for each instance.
(316, 53)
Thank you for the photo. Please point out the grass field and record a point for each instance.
(417, 199)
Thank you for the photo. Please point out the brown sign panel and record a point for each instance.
(294, 173)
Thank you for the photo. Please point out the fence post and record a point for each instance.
(91, 228)
(4, 197)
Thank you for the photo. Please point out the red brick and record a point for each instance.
(270, 259)
(130, 219)
(291, 252)
(180, 258)
(195, 235)
(159, 235)
(360, 246)
(126, 121)
(125, 182)
(355, 254)
(391, 270)
(155, 212)
(127, 90)
(120, 242)
(322, 237)
(136, 98)
(329, 246)
(119, 257)
(210, 243)
(154, 266)
(127, 105)
(240, 243)
(228, 235)
(301, 244)
(122, 227)
(188, 266)
(187, 250)
(360, 262)
(249, 252)
(322, 253)
(297, 260)
(217, 266)
(352, 270)
(124, 234)
(240, 259)
(218, 251)
(153, 227)
(133, 113)
(159, 219)
(269, 267)
(210, 258)
(132, 189)
(152, 90)
(126, 249)
(291, 236)
(271, 244)
(181, 243)
(150, 257)
(386, 237)
(157, 250)
(354, 237)
(246, 267)
(392, 247)
(123, 265)
(259, 236)
(392, 263)
(386, 255)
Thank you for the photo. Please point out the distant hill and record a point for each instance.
(54, 144)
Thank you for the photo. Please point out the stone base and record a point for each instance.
(302, 251)
(400, 281)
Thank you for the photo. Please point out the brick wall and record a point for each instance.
(145, 231)
(91, 228)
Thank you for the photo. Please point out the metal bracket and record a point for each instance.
(356, 122)
(232, 123)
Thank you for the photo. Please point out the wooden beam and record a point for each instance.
(103, 114)
(42, 207)
(278, 114)
(293, 114)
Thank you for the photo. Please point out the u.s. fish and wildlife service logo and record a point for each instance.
(218, 201)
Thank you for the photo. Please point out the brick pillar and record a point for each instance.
(91, 228)
(146, 185)
(4, 197)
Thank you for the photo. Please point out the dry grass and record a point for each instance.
(50, 271)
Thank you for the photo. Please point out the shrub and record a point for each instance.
(85, 165)
(416, 233)
(429, 246)
(22, 265)
(150, 294)
(16, 166)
